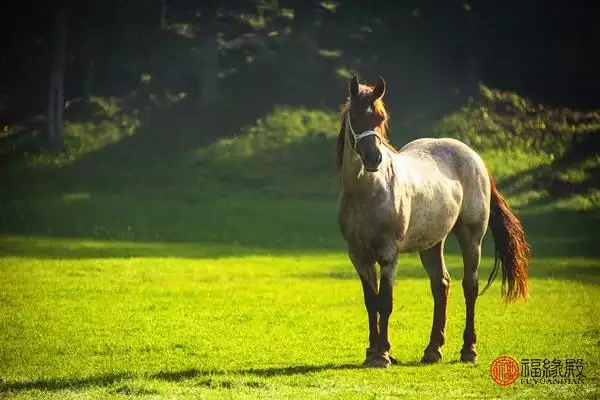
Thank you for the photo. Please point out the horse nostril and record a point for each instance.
(372, 160)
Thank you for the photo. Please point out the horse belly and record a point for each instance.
(430, 222)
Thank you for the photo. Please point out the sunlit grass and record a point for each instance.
(238, 294)
(252, 326)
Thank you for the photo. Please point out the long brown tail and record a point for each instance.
(512, 250)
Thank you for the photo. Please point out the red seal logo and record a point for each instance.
(504, 370)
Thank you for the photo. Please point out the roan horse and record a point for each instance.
(399, 201)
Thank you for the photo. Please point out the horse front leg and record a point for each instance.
(433, 261)
(380, 352)
(368, 277)
(370, 296)
(386, 306)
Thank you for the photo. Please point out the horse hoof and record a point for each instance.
(468, 355)
(378, 362)
(375, 360)
(431, 356)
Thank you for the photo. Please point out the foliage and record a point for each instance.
(108, 126)
(505, 120)
(289, 148)
(544, 151)
(537, 154)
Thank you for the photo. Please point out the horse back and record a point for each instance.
(449, 156)
(443, 180)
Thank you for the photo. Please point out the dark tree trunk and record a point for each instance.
(209, 57)
(92, 49)
(303, 60)
(56, 97)
(303, 26)
(163, 15)
(88, 83)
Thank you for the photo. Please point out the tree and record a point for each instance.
(56, 87)
(209, 53)
(91, 47)
(302, 57)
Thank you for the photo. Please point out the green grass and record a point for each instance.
(248, 295)
(218, 272)
(266, 326)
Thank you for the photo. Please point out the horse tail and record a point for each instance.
(512, 252)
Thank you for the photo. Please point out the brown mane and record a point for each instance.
(378, 108)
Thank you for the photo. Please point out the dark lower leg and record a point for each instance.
(439, 289)
(433, 261)
(470, 288)
(470, 244)
(386, 302)
(371, 304)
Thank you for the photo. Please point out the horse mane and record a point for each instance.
(378, 108)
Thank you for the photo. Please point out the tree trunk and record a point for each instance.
(93, 47)
(163, 15)
(303, 27)
(304, 38)
(56, 98)
(88, 83)
(209, 57)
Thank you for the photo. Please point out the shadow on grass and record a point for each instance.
(169, 376)
(589, 273)
(225, 224)
(177, 376)
(548, 178)
(77, 248)
(64, 384)
(572, 257)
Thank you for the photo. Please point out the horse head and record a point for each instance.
(365, 122)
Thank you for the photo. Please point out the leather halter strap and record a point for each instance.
(360, 136)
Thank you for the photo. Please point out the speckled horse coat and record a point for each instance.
(410, 201)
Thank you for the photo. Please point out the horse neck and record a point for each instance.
(355, 180)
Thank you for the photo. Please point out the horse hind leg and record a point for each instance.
(433, 261)
(470, 238)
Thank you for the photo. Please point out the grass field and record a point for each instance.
(174, 282)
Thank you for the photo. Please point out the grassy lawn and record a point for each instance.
(265, 306)
(220, 273)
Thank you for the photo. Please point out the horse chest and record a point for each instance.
(368, 227)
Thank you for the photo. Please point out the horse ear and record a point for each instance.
(354, 86)
(379, 90)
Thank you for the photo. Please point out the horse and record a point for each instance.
(410, 200)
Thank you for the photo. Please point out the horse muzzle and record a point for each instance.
(372, 161)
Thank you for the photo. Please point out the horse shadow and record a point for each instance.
(63, 384)
(105, 380)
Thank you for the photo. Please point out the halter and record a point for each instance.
(360, 136)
